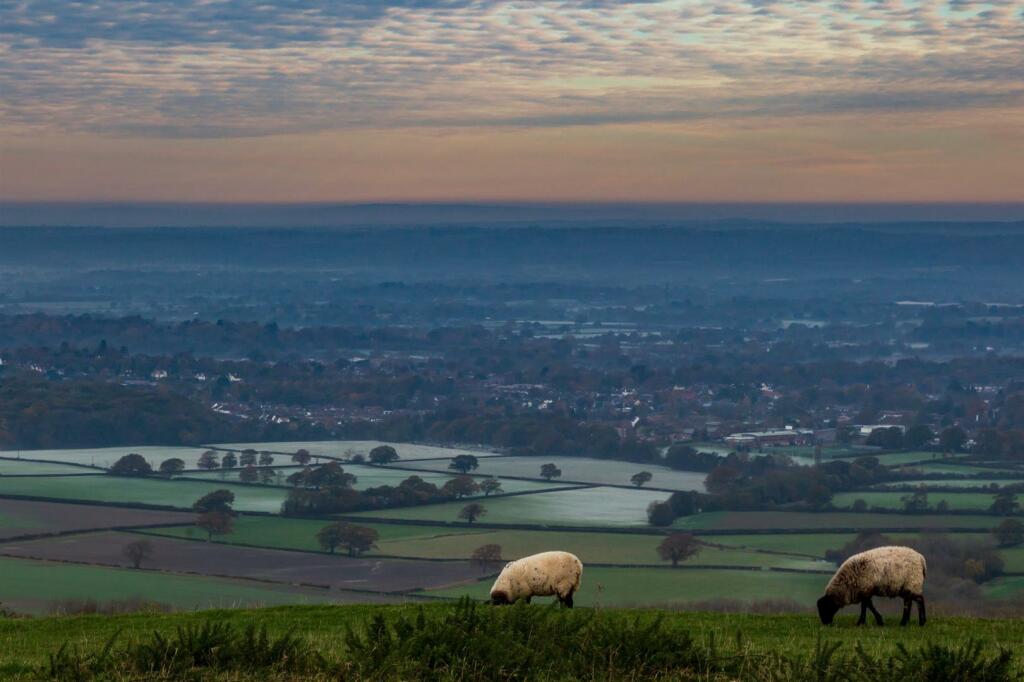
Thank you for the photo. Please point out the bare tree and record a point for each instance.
(137, 552)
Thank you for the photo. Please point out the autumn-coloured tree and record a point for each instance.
(216, 523)
(472, 511)
(355, 539)
(490, 485)
(460, 486)
(208, 460)
(249, 474)
(678, 547)
(302, 456)
(486, 556)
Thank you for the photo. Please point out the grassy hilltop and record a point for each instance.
(464, 641)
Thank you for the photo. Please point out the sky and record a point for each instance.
(512, 101)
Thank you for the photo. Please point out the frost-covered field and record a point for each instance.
(597, 471)
(346, 448)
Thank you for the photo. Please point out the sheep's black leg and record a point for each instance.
(907, 602)
(874, 611)
(568, 600)
(920, 610)
(529, 599)
(863, 613)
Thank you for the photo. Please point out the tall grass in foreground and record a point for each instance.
(476, 643)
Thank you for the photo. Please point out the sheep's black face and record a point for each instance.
(827, 609)
(499, 599)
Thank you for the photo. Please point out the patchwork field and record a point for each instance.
(434, 557)
(169, 554)
(150, 491)
(584, 469)
(605, 507)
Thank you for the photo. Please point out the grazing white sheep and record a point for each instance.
(540, 575)
(881, 572)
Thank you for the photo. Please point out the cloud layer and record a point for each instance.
(225, 69)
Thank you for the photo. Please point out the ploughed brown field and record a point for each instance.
(22, 517)
(212, 559)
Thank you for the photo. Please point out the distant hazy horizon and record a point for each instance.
(163, 214)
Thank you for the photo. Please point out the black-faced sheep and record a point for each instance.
(882, 572)
(540, 575)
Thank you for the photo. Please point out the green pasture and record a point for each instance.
(965, 483)
(606, 507)
(586, 470)
(964, 469)
(31, 586)
(151, 491)
(891, 500)
(769, 520)
(277, 532)
(433, 542)
(905, 458)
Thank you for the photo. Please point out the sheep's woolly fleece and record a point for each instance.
(882, 572)
(540, 575)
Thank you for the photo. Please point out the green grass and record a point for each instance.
(828, 520)
(30, 585)
(633, 587)
(904, 458)
(891, 500)
(605, 507)
(1004, 588)
(27, 643)
(431, 542)
(104, 488)
(586, 470)
(966, 483)
(283, 533)
(965, 469)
